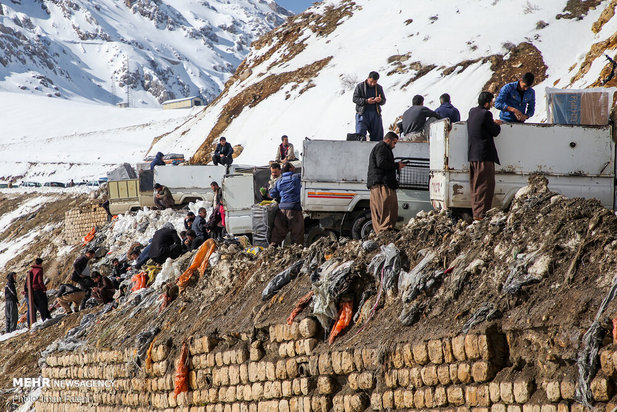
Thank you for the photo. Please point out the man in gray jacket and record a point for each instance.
(369, 97)
(414, 120)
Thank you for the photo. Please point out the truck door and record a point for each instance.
(238, 198)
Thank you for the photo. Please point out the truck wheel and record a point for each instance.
(316, 232)
(362, 226)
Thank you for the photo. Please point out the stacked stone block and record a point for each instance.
(294, 371)
(79, 221)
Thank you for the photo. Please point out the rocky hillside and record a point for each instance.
(512, 312)
(298, 79)
(147, 50)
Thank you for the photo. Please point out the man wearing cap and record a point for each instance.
(369, 97)
(162, 197)
(223, 153)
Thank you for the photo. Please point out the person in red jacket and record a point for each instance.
(34, 279)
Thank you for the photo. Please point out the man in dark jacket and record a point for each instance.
(158, 161)
(381, 180)
(223, 153)
(369, 97)
(289, 217)
(10, 303)
(118, 269)
(414, 120)
(34, 279)
(163, 199)
(103, 290)
(199, 224)
(517, 100)
(482, 154)
(165, 244)
(193, 241)
(447, 110)
(81, 271)
(69, 294)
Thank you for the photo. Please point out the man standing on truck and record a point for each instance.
(414, 120)
(369, 97)
(223, 153)
(381, 180)
(289, 218)
(482, 154)
(162, 197)
(517, 100)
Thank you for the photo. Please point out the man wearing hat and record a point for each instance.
(369, 97)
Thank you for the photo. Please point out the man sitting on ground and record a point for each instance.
(103, 290)
(193, 241)
(162, 197)
(165, 244)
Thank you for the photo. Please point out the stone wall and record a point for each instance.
(79, 221)
(292, 370)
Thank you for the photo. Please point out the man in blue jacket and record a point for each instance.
(289, 218)
(517, 100)
(447, 110)
(158, 161)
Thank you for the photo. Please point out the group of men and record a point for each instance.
(516, 102)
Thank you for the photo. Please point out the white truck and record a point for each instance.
(579, 161)
(334, 192)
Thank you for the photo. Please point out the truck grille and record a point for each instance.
(414, 175)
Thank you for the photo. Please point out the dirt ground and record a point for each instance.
(567, 246)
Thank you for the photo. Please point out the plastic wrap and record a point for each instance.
(580, 106)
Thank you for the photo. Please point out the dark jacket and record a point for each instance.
(66, 289)
(36, 279)
(199, 225)
(288, 187)
(158, 161)
(360, 96)
(415, 117)
(225, 150)
(510, 96)
(480, 132)
(449, 111)
(165, 243)
(118, 271)
(196, 243)
(381, 167)
(10, 291)
(79, 266)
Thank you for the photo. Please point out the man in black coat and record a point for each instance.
(482, 154)
(222, 153)
(381, 180)
(369, 97)
(165, 244)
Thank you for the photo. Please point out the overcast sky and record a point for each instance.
(296, 6)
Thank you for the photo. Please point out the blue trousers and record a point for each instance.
(370, 121)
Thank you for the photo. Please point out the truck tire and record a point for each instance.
(362, 226)
(317, 232)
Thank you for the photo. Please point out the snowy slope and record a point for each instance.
(420, 47)
(148, 50)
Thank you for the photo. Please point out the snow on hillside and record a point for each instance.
(151, 50)
(299, 79)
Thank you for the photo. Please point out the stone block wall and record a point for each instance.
(294, 371)
(79, 221)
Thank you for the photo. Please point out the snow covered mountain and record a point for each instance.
(299, 79)
(143, 51)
